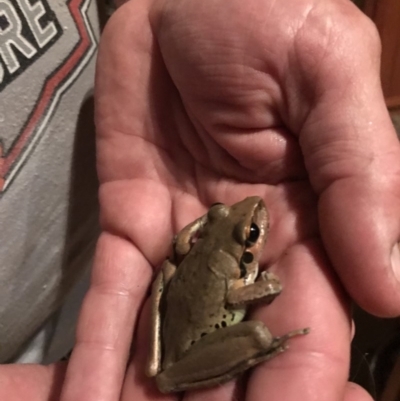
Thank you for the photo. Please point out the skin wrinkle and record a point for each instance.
(104, 289)
(215, 152)
(320, 153)
(225, 72)
(331, 39)
(240, 163)
(298, 47)
(243, 97)
(96, 345)
(345, 75)
(336, 153)
(114, 131)
(334, 163)
(157, 146)
(220, 140)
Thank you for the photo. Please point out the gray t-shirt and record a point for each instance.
(48, 196)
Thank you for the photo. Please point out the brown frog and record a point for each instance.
(199, 300)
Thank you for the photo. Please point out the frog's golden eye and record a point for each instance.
(254, 233)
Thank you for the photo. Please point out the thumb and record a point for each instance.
(352, 155)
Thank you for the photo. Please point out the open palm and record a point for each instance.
(213, 101)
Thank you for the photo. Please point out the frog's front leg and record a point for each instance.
(266, 289)
(221, 355)
(183, 240)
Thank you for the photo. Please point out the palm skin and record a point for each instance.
(213, 101)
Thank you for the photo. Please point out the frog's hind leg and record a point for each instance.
(221, 355)
(163, 277)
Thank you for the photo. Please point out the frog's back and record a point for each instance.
(194, 306)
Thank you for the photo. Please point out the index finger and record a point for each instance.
(120, 280)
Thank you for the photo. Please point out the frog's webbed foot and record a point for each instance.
(210, 361)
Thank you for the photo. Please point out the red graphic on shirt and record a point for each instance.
(51, 85)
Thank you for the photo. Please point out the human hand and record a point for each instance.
(199, 102)
(214, 101)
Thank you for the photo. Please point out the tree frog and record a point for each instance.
(199, 299)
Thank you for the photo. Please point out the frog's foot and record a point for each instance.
(264, 290)
(278, 345)
(220, 356)
(281, 341)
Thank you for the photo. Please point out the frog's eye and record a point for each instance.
(246, 259)
(254, 233)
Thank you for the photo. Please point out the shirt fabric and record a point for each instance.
(48, 184)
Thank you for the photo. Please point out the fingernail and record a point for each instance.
(395, 259)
